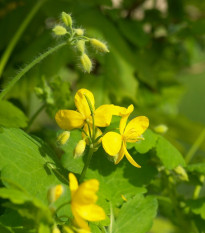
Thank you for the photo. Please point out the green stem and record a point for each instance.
(28, 67)
(195, 146)
(18, 34)
(34, 117)
(61, 206)
(111, 218)
(89, 156)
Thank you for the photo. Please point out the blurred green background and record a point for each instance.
(156, 62)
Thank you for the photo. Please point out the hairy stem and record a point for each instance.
(28, 67)
(89, 156)
(18, 34)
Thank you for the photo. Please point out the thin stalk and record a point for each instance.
(61, 206)
(89, 156)
(28, 67)
(18, 34)
(195, 146)
(34, 117)
(111, 218)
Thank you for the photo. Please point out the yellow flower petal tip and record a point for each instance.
(83, 202)
(54, 193)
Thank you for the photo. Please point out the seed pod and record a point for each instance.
(63, 138)
(86, 62)
(66, 19)
(79, 149)
(59, 30)
(98, 45)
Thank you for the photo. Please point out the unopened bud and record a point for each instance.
(98, 45)
(67, 229)
(66, 19)
(86, 62)
(79, 149)
(63, 138)
(81, 46)
(161, 129)
(59, 30)
(54, 193)
(79, 31)
(182, 173)
(56, 230)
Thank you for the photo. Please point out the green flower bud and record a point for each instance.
(79, 149)
(86, 62)
(66, 19)
(161, 129)
(98, 45)
(80, 45)
(79, 31)
(59, 30)
(54, 193)
(182, 173)
(63, 138)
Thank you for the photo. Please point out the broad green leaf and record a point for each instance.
(198, 167)
(4, 229)
(11, 116)
(136, 215)
(197, 206)
(168, 154)
(28, 163)
(143, 146)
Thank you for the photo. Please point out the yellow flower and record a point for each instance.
(69, 119)
(83, 199)
(115, 144)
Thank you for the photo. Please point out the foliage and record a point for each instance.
(146, 53)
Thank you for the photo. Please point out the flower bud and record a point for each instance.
(63, 138)
(98, 45)
(161, 129)
(86, 62)
(80, 46)
(182, 173)
(54, 193)
(79, 149)
(66, 19)
(79, 31)
(59, 30)
(56, 230)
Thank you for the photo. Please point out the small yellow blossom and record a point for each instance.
(69, 119)
(115, 144)
(83, 199)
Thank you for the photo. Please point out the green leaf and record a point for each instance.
(136, 215)
(143, 146)
(198, 167)
(4, 229)
(11, 116)
(28, 163)
(197, 206)
(168, 154)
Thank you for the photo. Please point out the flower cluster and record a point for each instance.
(78, 40)
(90, 120)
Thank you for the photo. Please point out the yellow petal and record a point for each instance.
(136, 128)
(120, 155)
(112, 143)
(91, 212)
(73, 183)
(82, 104)
(69, 119)
(80, 222)
(86, 193)
(125, 114)
(129, 157)
(103, 115)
